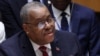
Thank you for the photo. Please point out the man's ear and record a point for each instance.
(25, 27)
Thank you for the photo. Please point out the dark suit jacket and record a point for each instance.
(83, 23)
(10, 10)
(19, 45)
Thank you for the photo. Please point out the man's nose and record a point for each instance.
(47, 24)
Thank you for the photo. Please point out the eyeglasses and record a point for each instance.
(42, 23)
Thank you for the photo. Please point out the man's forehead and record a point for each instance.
(38, 12)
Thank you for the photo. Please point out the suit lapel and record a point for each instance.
(75, 19)
(26, 46)
(27, 49)
(64, 49)
(56, 49)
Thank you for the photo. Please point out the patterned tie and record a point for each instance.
(43, 50)
(64, 23)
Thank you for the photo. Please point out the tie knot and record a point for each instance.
(42, 48)
(63, 13)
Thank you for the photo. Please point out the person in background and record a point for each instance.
(10, 10)
(39, 36)
(78, 19)
(2, 31)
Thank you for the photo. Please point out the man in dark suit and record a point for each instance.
(10, 10)
(81, 21)
(39, 30)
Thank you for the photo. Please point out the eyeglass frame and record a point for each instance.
(42, 23)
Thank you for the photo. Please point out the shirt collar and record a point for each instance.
(36, 46)
(58, 12)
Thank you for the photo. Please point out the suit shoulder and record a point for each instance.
(83, 8)
(65, 34)
(11, 41)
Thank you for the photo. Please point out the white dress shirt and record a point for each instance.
(38, 52)
(58, 17)
(2, 32)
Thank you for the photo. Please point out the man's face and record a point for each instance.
(60, 4)
(41, 26)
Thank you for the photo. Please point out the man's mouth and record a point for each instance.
(50, 32)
